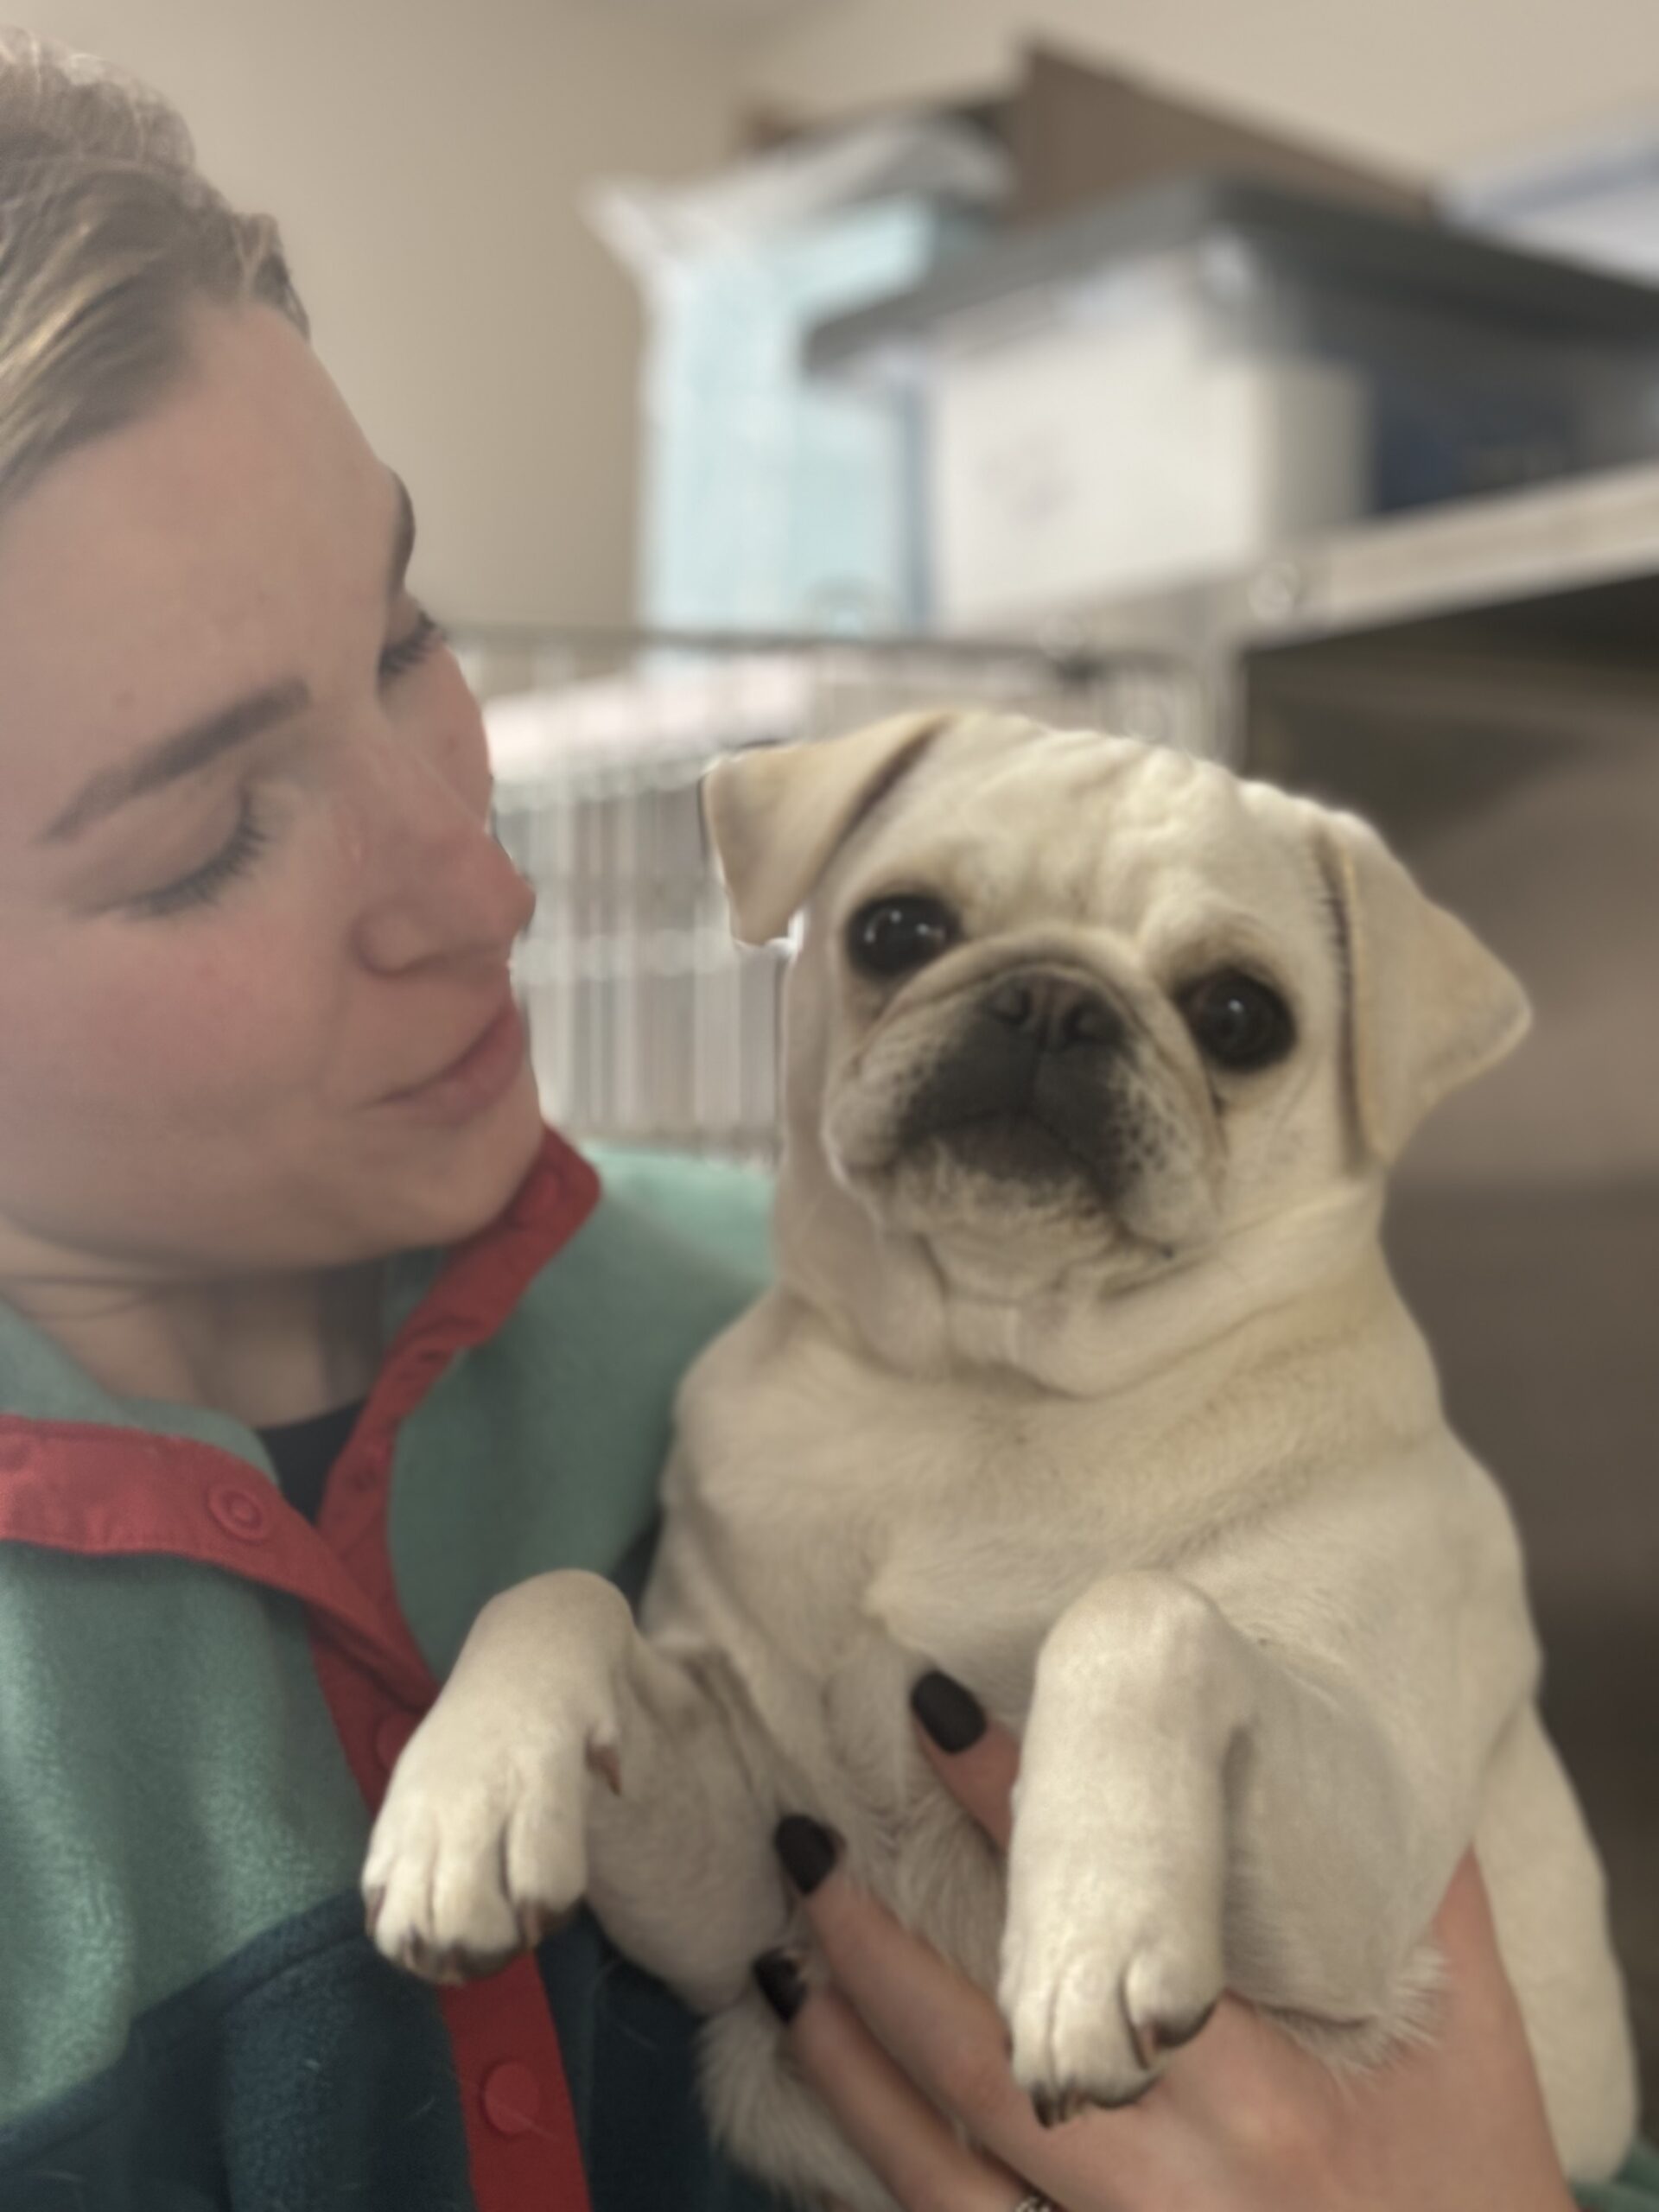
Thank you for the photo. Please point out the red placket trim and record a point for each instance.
(523, 2148)
(111, 1493)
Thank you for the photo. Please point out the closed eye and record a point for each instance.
(246, 842)
(408, 651)
(249, 837)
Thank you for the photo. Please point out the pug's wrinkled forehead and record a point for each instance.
(1015, 827)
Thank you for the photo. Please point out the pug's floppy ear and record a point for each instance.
(775, 814)
(1429, 1008)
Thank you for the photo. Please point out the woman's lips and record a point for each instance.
(484, 1072)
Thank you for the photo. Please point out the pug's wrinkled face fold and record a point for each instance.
(1080, 997)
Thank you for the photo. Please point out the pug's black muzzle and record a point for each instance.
(1032, 1089)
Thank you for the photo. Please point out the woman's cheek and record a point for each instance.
(213, 1021)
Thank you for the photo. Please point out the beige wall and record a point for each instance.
(423, 157)
(1417, 84)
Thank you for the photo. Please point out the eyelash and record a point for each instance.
(406, 652)
(246, 840)
(250, 838)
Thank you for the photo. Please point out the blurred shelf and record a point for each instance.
(1545, 541)
(1558, 580)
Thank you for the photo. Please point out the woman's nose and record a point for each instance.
(442, 887)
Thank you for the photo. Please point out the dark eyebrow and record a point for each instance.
(180, 754)
(402, 538)
(193, 748)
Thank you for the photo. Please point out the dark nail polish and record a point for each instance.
(780, 1984)
(807, 1850)
(954, 1719)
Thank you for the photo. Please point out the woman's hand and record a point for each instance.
(1241, 2120)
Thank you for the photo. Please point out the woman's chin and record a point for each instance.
(468, 1174)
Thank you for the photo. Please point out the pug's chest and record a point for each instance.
(840, 1544)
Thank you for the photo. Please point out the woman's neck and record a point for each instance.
(266, 1349)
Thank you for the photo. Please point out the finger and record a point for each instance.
(902, 2138)
(1481, 2010)
(947, 2036)
(975, 1759)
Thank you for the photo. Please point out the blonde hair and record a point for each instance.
(109, 238)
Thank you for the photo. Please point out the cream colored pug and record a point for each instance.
(1083, 1380)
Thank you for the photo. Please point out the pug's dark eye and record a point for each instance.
(1238, 1022)
(891, 937)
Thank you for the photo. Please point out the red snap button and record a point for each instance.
(392, 1733)
(242, 1512)
(512, 2097)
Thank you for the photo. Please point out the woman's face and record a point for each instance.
(251, 910)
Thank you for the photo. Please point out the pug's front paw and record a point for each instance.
(1113, 1949)
(480, 1847)
(1098, 1990)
